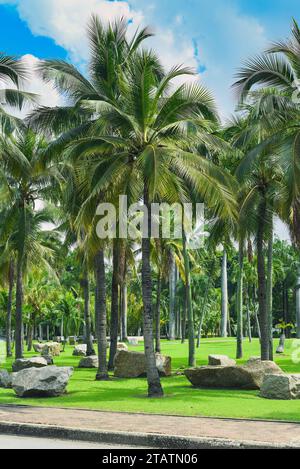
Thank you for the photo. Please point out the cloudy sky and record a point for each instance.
(213, 36)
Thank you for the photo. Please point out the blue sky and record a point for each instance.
(214, 36)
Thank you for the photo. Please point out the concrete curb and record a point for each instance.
(151, 440)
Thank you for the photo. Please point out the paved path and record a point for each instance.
(23, 442)
(258, 432)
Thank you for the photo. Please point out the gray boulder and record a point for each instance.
(80, 350)
(50, 381)
(281, 386)
(89, 362)
(248, 376)
(133, 364)
(38, 347)
(23, 363)
(49, 359)
(5, 379)
(220, 360)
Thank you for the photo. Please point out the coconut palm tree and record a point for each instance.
(27, 180)
(133, 137)
(277, 74)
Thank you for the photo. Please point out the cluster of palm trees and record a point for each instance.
(127, 129)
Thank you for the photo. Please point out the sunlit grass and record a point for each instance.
(129, 395)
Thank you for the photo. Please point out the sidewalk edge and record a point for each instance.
(151, 440)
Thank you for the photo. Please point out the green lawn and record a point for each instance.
(181, 398)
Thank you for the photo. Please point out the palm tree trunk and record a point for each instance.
(19, 315)
(124, 310)
(248, 317)
(29, 336)
(183, 321)
(85, 284)
(298, 304)
(172, 291)
(202, 315)
(157, 314)
(11, 279)
(224, 290)
(262, 290)
(114, 312)
(239, 332)
(270, 293)
(100, 314)
(191, 331)
(154, 385)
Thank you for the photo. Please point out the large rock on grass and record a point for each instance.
(50, 381)
(89, 362)
(281, 386)
(80, 350)
(5, 379)
(24, 363)
(220, 360)
(133, 364)
(51, 348)
(248, 376)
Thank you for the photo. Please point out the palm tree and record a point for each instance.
(27, 180)
(277, 106)
(134, 140)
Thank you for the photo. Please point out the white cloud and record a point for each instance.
(65, 21)
(46, 94)
(224, 36)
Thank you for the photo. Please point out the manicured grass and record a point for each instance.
(181, 398)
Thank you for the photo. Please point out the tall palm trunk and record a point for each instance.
(270, 293)
(191, 331)
(172, 295)
(124, 310)
(114, 312)
(224, 291)
(157, 313)
(11, 280)
(239, 332)
(100, 314)
(29, 335)
(202, 315)
(262, 290)
(123, 292)
(85, 284)
(298, 304)
(154, 385)
(19, 307)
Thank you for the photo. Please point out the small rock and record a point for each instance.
(80, 350)
(281, 386)
(89, 362)
(122, 346)
(38, 347)
(51, 348)
(23, 363)
(220, 360)
(5, 379)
